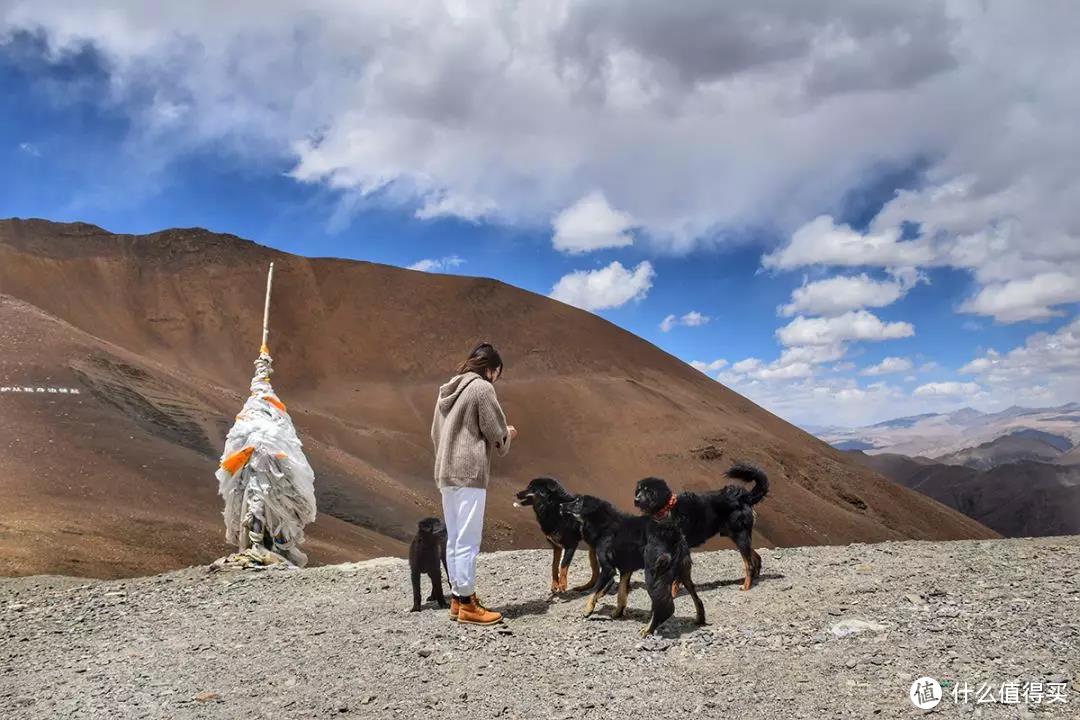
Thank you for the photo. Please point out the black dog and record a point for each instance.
(702, 515)
(545, 496)
(623, 543)
(426, 553)
(667, 561)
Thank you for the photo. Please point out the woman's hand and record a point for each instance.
(512, 431)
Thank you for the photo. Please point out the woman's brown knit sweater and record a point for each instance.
(469, 425)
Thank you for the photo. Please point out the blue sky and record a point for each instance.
(920, 275)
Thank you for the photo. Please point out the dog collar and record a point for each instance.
(667, 506)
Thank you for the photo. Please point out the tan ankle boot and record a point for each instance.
(455, 607)
(473, 613)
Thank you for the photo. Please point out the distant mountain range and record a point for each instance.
(1016, 471)
(1018, 499)
(948, 436)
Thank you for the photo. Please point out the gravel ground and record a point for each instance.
(828, 632)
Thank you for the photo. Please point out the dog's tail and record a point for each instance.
(751, 473)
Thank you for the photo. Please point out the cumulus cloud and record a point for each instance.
(709, 367)
(888, 366)
(822, 242)
(1044, 370)
(1028, 299)
(857, 325)
(947, 389)
(837, 295)
(606, 288)
(1020, 278)
(437, 264)
(690, 319)
(591, 224)
(747, 366)
(813, 354)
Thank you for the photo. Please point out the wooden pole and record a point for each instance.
(266, 312)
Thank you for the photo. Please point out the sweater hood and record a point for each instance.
(451, 391)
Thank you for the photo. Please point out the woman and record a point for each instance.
(469, 426)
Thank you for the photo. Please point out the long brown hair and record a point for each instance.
(484, 357)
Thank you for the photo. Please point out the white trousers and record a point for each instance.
(463, 513)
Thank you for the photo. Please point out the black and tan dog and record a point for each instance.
(627, 543)
(700, 516)
(667, 561)
(427, 555)
(545, 496)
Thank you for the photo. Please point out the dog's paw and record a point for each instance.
(645, 631)
(617, 614)
(414, 608)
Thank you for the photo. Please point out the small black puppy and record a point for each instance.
(426, 553)
(700, 516)
(623, 543)
(545, 496)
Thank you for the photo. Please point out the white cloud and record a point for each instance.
(837, 295)
(29, 149)
(812, 354)
(690, 319)
(1028, 299)
(1020, 278)
(443, 204)
(437, 265)
(978, 365)
(857, 325)
(785, 372)
(709, 367)
(947, 389)
(591, 224)
(822, 242)
(609, 287)
(1044, 370)
(887, 366)
(746, 366)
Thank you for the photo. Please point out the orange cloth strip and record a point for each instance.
(237, 460)
(276, 403)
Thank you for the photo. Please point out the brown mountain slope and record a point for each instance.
(160, 330)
